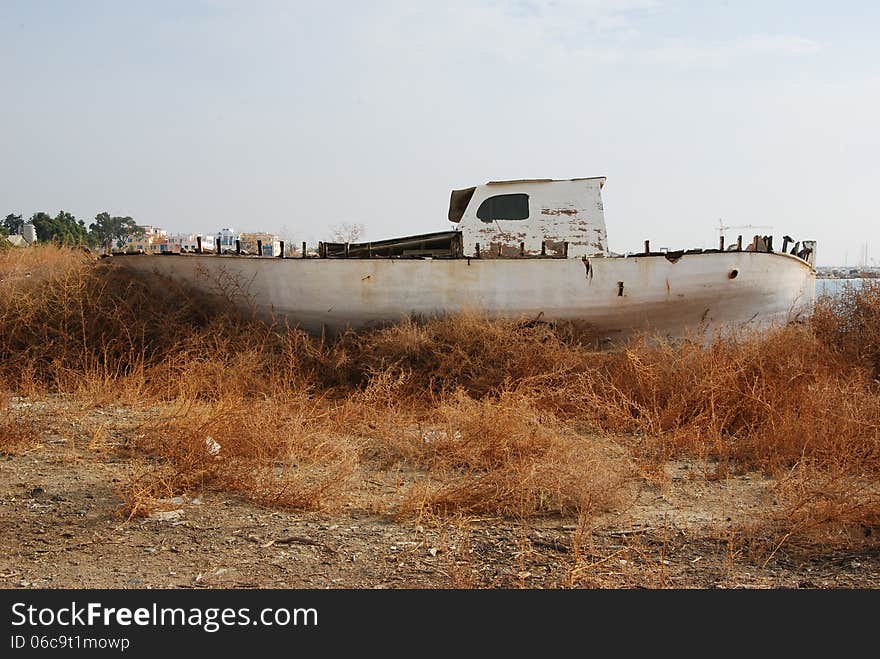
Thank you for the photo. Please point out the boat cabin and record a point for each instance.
(505, 219)
(539, 217)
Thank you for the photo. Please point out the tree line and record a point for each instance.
(65, 229)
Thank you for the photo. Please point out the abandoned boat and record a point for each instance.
(521, 249)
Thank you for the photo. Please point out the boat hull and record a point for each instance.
(614, 296)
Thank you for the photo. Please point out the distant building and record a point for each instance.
(17, 241)
(29, 233)
(26, 238)
(189, 242)
(227, 237)
(153, 240)
(270, 242)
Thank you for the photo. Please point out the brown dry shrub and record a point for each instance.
(503, 456)
(18, 430)
(468, 351)
(832, 502)
(226, 359)
(380, 412)
(64, 314)
(762, 400)
(849, 324)
(147, 490)
(73, 323)
(271, 451)
(780, 401)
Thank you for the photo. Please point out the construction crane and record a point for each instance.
(722, 228)
(757, 229)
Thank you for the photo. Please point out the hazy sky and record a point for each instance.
(263, 115)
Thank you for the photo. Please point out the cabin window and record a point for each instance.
(504, 207)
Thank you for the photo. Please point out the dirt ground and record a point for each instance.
(62, 527)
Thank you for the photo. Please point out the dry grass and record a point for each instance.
(65, 316)
(466, 352)
(272, 451)
(18, 432)
(849, 325)
(757, 401)
(489, 416)
(830, 504)
(505, 456)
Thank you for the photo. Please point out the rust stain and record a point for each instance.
(500, 250)
(555, 247)
(589, 269)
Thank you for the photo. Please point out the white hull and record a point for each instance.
(658, 294)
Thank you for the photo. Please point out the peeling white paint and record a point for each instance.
(559, 212)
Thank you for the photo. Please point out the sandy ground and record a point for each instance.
(61, 527)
